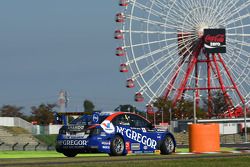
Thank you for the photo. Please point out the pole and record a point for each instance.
(245, 120)
(154, 119)
(170, 119)
(162, 117)
(194, 106)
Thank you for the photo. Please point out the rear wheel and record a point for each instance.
(117, 147)
(167, 146)
(70, 154)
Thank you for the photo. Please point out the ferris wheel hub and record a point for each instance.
(200, 29)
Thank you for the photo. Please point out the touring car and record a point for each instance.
(116, 134)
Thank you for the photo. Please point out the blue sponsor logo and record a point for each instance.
(95, 118)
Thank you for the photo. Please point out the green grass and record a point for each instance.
(42, 154)
(185, 150)
(38, 154)
(136, 161)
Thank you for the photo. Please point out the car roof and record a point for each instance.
(111, 117)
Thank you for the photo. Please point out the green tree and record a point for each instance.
(218, 103)
(11, 111)
(164, 106)
(88, 106)
(43, 114)
(184, 109)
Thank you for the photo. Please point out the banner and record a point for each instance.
(215, 40)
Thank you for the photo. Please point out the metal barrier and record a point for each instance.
(25, 145)
(14, 145)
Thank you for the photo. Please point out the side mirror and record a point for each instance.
(151, 126)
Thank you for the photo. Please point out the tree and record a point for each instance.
(11, 111)
(218, 103)
(163, 106)
(43, 114)
(88, 106)
(184, 109)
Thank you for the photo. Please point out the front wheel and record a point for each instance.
(167, 146)
(117, 146)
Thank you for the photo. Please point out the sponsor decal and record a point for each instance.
(106, 147)
(127, 146)
(106, 143)
(148, 151)
(108, 127)
(75, 127)
(95, 118)
(103, 134)
(145, 147)
(215, 40)
(157, 152)
(135, 146)
(137, 137)
(73, 142)
(75, 137)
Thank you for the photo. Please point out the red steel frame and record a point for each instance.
(212, 62)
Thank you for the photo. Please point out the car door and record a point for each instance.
(144, 136)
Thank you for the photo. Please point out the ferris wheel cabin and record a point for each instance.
(118, 34)
(150, 109)
(124, 2)
(139, 97)
(130, 83)
(120, 18)
(120, 51)
(123, 68)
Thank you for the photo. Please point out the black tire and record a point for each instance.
(117, 146)
(70, 154)
(167, 145)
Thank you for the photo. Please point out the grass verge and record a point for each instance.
(49, 154)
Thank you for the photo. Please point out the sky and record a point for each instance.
(52, 45)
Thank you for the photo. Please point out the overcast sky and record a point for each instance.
(49, 45)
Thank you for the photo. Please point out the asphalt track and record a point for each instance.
(98, 160)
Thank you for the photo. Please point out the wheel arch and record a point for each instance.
(171, 135)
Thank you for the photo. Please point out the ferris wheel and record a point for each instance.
(186, 49)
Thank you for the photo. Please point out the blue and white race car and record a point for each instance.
(116, 134)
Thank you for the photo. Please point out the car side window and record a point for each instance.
(121, 120)
(138, 122)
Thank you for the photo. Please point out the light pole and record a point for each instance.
(170, 119)
(245, 119)
(194, 107)
(162, 117)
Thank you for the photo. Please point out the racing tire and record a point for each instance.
(167, 145)
(70, 154)
(117, 146)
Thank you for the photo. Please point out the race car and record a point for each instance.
(114, 133)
